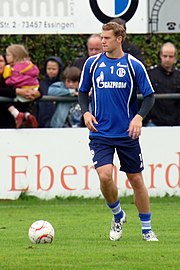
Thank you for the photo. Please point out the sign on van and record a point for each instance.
(86, 16)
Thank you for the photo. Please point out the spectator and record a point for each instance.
(127, 46)
(21, 72)
(52, 74)
(165, 78)
(6, 119)
(2, 65)
(94, 46)
(66, 114)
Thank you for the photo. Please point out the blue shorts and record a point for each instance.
(128, 151)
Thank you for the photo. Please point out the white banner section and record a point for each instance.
(70, 16)
(56, 162)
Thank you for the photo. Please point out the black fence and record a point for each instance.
(72, 99)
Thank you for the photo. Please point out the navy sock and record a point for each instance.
(146, 222)
(116, 210)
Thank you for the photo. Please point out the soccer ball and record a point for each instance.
(41, 232)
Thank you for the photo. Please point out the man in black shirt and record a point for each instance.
(165, 78)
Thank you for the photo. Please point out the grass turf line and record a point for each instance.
(82, 235)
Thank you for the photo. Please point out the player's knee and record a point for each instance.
(136, 180)
(105, 174)
(105, 178)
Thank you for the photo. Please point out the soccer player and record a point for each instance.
(115, 123)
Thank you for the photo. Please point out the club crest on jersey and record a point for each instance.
(121, 72)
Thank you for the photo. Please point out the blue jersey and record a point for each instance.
(114, 84)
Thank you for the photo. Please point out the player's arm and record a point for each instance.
(145, 87)
(146, 106)
(83, 97)
(89, 119)
(136, 123)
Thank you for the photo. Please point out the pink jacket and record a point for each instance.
(24, 74)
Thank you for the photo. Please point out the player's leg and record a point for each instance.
(110, 193)
(103, 152)
(141, 200)
(107, 185)
(102, 155)
(129, 153)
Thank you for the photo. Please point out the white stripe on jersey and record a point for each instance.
(130, 57)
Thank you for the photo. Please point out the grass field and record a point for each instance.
(82, 236)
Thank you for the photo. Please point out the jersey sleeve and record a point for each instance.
(142, 79)
(86, 76)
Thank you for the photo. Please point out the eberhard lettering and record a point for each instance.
(36, 8)
(170, 176)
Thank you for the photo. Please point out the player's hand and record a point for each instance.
(89, 121)
(135, 127)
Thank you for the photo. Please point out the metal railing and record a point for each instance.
(72, 99)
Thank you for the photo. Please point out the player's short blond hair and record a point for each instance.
(117, 29)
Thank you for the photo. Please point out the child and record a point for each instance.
(66, 111)
(51, 72)
(21, 73)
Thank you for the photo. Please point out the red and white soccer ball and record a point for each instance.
(41, 232)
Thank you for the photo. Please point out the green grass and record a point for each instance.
(82, 235)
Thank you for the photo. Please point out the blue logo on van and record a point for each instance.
(117, 8)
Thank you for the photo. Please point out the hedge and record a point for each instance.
(70, 47)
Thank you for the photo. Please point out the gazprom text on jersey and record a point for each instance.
(112, 84)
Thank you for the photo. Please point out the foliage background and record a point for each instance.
(70, 47)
